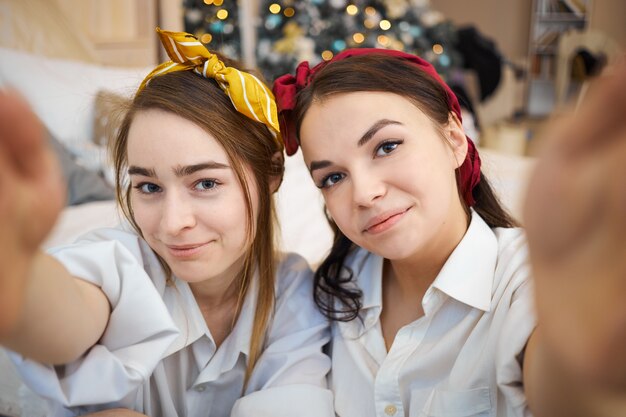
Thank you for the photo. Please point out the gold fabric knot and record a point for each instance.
(248, 94)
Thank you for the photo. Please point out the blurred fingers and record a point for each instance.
(615, 183)
(601, 113)
(21, 134)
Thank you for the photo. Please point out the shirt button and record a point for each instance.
(390, 410)
(200, 388)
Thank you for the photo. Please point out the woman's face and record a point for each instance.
(386, 173)
(186, 198)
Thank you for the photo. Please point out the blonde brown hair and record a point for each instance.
(248, 144)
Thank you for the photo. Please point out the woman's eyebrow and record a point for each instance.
(191, 169)
(145, 172)
(375, 128)
(179, 171)
(319, 165)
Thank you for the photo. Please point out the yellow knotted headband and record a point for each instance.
(247, 93)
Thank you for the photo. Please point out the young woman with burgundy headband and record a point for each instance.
(188, 309)
(428, 282)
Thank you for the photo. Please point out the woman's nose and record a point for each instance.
(367, 187)
(177, 215)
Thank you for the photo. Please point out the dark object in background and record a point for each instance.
(481, 55)
(586, 64)
(465, 102)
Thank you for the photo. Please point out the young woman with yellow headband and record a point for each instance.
(187, 310)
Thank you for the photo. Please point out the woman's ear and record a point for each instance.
(456, 138)
(278, 166)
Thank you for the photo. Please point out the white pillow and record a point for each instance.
(509, 175)
(300, 208)
(62, 92)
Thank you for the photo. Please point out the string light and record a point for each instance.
(289, 12)
(352, 9)
(228, 28)
(209, 2)
(385, 24)
(222, 14)
(327, 55)
(274, 8)
(438, 49)
(358, 37)
(370, 11)
(339, 45)
(383, 40)
(369, 23)
(206, 38)
(218, 2)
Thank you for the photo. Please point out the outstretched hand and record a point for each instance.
(575, 217)
(32, 193)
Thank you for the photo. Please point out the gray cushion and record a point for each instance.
(83, 185)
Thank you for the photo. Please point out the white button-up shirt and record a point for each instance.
(157, 355)
(463, 357)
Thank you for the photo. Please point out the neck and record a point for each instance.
(219, 301)
(219, 291)
(412, 278)
(405, 281)
(417, 272)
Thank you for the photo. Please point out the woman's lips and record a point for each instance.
(186, 251)
(385, 221)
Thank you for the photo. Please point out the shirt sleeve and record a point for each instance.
(519, 323)
(290, 376)
(138, 332)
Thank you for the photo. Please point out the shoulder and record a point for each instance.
(513, 273)
(103, 255)
(511, 242)
(359, 259)
(512, 248)
(293, 273)
(295, 306)
(288, 262)
(118, 242)
(365, 267)
(125, 237)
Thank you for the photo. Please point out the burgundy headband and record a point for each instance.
(287, 87)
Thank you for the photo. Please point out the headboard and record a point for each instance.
(41, 28)
(111, 32)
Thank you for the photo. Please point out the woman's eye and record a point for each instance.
(148, 188)
(386, 148)
(205, 185)
(331, 180)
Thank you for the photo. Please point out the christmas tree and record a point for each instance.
(215, 23)
(291, 31)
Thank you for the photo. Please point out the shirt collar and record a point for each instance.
(367, 270)
(213, 364)
(467, 275)
(235, 344)
(181, 304)
(188, 318)
(239, 338)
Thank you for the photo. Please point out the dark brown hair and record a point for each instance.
(335, 294)
(248, 144)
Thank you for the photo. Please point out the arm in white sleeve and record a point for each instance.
(139, 331)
